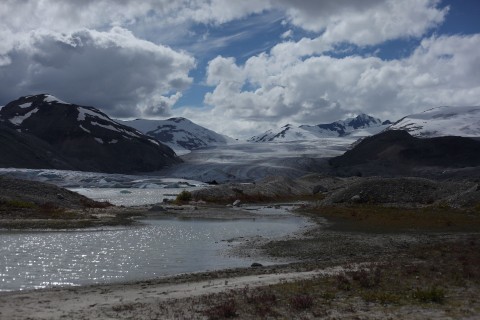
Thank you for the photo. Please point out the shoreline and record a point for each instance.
(317, 249)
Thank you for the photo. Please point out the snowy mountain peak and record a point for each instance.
(285, 133)
(49, 99)
(361, 125)
(180, 134)
(442, 121)
(179, 119)
(362, 121)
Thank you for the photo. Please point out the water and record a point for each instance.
(133, 196)
(162, 247)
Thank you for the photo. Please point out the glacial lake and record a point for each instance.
(160, 247)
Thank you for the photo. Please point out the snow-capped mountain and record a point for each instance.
(285, 133)
(180, 134)
(442, 121)
(362, 125)
(87, 137)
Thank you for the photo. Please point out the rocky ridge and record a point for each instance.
(82, 138)
(180, 134)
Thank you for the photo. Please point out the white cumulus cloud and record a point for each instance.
(280, 88)
(124, 75)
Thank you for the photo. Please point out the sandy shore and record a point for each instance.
(103, 302)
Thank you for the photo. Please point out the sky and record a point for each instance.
(242, 67)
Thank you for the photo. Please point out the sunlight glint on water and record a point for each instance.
(163, 247)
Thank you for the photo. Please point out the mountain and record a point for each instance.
(362, 125)
(285, 133)
(20, 150)
(442, 121)
(180, 134)
(84, 137)
(395, 152)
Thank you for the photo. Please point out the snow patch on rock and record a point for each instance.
(50, 98)
(25, 105)
(18, 120)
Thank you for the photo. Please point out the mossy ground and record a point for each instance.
(368, 217)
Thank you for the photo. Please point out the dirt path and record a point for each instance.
(97, 301)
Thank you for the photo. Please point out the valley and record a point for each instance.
(310, 222)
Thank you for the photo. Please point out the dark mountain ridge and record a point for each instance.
(83, 138)
(397, 152)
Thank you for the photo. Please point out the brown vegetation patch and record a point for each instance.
(429, 280)
(381, 218)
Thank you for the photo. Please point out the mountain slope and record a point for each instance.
(442, 121)
(397, 152)
(362, 125)
(180, 134)
(86, 137)
(285, 133)
(21, 150)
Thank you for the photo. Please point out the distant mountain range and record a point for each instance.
(180, 134)
(61, 135)
(442, 121)
(362, 125)
(42, 131)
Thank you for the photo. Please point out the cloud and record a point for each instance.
(279, 88)
(287, 34)
(112, 54)
(124, 75)
(366, 22)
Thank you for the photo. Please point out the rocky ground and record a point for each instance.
(328, 190)
(30, 204)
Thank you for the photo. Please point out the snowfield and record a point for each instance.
(442, 121)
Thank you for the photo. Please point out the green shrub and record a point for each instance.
(20, 204)
(434, 294)
(183, 196)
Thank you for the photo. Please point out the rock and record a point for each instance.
(356, 198)
(156, 209)
(237, 190)
(319, 188)
(237, 203)
(60, 196)
(256, 265)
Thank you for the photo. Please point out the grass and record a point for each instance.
(301, 302)
(91, 204)
(18, 204)
(224, 310)
(261, 198)
(431, 278)
(435, 295)
(377, 217)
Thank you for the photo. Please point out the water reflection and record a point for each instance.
(162, 247)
